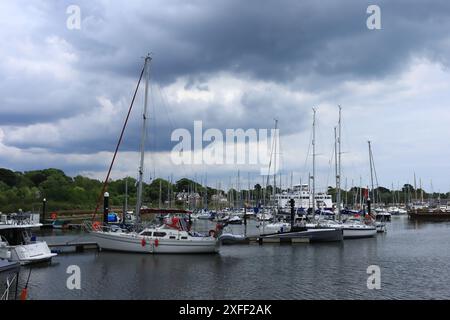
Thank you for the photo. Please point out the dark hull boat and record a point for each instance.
(312, 235)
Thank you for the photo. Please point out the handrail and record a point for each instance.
(5, 295)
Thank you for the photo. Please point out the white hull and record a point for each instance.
(131, 242)
(352, 233)
(27, 254)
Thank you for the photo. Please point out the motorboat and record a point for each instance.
(17, 242)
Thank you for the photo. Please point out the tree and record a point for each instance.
(8, 177)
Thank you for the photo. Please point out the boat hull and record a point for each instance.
(31, 253)
(313, 235)
(355, 233)
(131, 243)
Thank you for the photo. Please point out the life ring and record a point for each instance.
(212, 233)
(96, 225)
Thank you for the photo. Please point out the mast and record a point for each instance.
(126, 196)
(338, 178)
(143, 134)
(314, 164)
(336, 164)
(160, 189)
(371, 171)
(415, 188)
(275, 163)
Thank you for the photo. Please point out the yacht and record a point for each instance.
(353, 228)
(173, 236)
(16, 241)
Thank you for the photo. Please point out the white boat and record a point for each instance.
(171, 237)
(16, 242)
(158, 239)
(235, 220)
(353, 228)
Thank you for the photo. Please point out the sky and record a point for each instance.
(65, 91)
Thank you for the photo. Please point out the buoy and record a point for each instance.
(96, 225)
(23, 294)
(156, 242)
(143, 243)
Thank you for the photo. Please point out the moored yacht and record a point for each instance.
(352, 228)
(172, 237)
(17, 242)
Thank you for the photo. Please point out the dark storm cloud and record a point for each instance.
(275, 40)
(304, 45)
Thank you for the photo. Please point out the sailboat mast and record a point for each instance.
(338, 178)
(275, 162)
(314, 164)
(143, 135)
(336, 164)
(371, 172)
(126, 195)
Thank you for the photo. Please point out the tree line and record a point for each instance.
(26, 190)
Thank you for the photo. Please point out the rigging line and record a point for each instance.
(307, 154)
(171, 122)
(151, 138)
(330, 163)
(105, 183)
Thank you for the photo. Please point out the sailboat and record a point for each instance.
(291, 231)
(352, 228)
(173, 236)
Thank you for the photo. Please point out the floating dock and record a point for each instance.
(73, 247)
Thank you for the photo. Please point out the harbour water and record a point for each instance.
(413, 258)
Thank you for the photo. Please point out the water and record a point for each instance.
(414, 260)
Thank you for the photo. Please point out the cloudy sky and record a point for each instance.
(64, 92)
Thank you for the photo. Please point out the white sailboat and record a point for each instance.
(352, 228)
(170, 237)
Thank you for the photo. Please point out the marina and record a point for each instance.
(411, 256)
(228, 156)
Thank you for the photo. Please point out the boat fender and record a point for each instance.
(156, 242)
(143, 242)
(212, 233)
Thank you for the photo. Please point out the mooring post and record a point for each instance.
(105, 207)
(292, 203)
(44, 208)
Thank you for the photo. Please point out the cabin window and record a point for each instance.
(172, 237)
(184, 238)
(147, 233)
(159, 234)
